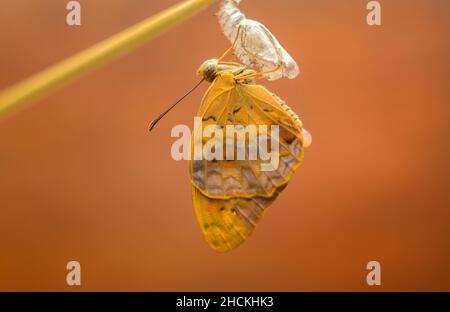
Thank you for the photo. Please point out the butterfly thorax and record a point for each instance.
(212, 68)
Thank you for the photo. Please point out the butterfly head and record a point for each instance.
(208, 70)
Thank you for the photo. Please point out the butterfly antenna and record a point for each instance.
(155, 121)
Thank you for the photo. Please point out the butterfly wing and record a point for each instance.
(230, 196)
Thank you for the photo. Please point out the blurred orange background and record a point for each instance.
(82, 179)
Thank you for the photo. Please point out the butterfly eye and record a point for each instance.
(208, 70)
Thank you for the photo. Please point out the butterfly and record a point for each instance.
(231, 196)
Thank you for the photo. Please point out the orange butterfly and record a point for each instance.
(230, 196)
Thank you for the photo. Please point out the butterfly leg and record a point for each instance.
(248, 74)
(255, 74)
(232, 46)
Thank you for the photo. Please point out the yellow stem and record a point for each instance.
(97, 55)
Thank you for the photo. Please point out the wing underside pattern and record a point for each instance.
(230, 196)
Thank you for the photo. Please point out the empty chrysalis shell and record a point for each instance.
(255, 45)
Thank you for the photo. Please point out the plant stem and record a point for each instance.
(101, 53)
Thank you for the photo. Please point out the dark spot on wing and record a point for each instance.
(208, 118)
(290, 139)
